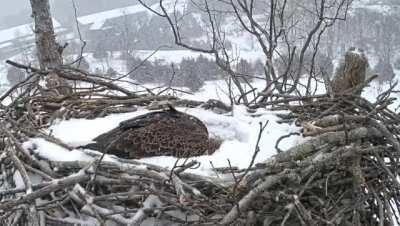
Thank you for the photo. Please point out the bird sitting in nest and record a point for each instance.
(350, 73)
(161, 133)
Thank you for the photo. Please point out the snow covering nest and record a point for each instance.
(238, 130)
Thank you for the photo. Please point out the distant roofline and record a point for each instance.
(97, 20)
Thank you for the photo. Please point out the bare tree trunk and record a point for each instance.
(47, 49)
(46, 45)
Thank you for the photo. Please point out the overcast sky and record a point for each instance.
(11, 7)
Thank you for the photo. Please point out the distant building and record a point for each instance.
(114, 29)
(99, 21)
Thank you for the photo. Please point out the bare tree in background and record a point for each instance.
(278, 26)
(48, 51)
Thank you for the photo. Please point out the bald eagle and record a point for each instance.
(350, 73)
(160, 133)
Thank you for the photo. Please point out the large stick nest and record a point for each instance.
(345, 173)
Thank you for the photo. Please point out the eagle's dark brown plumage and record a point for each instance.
(161, 133)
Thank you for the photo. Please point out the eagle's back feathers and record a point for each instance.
(168, 132)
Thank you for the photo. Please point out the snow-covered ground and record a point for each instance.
(238, 130)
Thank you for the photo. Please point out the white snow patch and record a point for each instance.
(152, 201)
(19, 182)
(357, 51)
(54, 152)
(77, 132)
